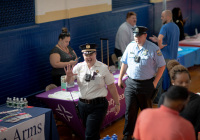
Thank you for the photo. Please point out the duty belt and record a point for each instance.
(98, 100)
(137, 80)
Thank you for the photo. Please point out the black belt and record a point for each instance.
(142, 80)
(98, 100)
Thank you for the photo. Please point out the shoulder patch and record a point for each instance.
(159, 53)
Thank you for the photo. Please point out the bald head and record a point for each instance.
(166, 16)
(168, 13)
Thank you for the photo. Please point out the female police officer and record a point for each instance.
(92, 76)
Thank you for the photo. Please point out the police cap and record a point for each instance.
(139, 30)
(88, 48)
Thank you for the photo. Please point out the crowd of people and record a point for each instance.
(145, 62)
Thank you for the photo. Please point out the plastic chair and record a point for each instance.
(50, 87)
(58, 122)
(114, 58)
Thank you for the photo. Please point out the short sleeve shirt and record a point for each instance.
(162, 124)
(124, 36)
(171, 34)
(100, 77)
(64, 57)
(151, 58)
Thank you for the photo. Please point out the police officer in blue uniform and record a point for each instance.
(144, 64)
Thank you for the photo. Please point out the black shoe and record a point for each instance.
(127, 137)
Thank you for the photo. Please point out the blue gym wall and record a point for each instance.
(24, 55)
(189, 8)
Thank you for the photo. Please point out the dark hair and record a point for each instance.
(177, 93)
(64, 33)
(130, 14)
(175, 12)
(175, 68)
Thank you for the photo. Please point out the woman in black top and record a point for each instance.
(179, 21)
(61, 55)
(180, 76)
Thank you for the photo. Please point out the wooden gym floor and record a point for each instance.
(117, 127)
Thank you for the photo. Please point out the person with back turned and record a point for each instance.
(168, 42)
(164, 123)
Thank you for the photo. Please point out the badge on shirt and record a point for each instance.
(132, 54)
(93, 77)
(81, 71)
(159, 53)
(145, 52)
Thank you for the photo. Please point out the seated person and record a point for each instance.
(180, 76)
(60, 56)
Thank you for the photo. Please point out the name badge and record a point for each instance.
(132, 55)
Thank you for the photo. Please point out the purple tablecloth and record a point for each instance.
(66, 110)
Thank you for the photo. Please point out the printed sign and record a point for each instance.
(32, 129)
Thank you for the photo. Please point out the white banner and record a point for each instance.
(32, 129)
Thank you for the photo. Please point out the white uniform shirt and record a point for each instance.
(97, 87)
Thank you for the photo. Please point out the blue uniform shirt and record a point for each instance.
(171, 34)
(151, 58)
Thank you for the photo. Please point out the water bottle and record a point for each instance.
(17, 102)
(10, 102)
(196, 31)
(119, 63)
(7, 101)
(25, 103)
(114, 137)
(107, 137)
(21, 103)
(63, 83)
(14, 103)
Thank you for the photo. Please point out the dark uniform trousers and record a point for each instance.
(138, 94)
(92, 116)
